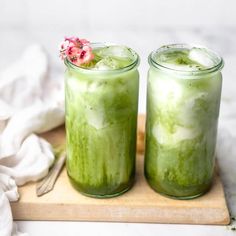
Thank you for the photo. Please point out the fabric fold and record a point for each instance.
(30, 104)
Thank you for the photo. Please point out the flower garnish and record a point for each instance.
(78, 51)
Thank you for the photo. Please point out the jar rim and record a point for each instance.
(216, 67)
(130, 66)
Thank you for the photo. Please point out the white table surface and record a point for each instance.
(120, 229)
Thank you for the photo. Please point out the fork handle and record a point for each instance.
(48, 182)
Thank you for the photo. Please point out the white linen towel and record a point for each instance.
(26, 110)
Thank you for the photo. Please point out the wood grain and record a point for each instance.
(140, 204)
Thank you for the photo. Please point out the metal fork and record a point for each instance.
(48, 182)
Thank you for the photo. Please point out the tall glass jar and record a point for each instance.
(101, 118)
(183, 100)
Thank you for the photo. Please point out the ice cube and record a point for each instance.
(161, 134)
(201, 56)
(115, 51)
(165, 137)
(183, 133)
(107, 63)
(167, 91)
(76, 85)
(95, 118)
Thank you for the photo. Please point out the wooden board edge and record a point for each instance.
(219, 216)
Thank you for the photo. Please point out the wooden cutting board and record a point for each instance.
(140, 204)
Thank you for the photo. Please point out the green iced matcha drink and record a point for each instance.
(101, 117)
(184, 89)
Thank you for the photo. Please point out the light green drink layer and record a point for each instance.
(101, 116)
(184, 88)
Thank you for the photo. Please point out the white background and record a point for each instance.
(143, 25)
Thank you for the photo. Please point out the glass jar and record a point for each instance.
(101, 119)
(183, 100)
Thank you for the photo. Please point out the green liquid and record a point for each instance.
(181, 129)
(101, 117)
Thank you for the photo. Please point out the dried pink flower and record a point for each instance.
(78, 51)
